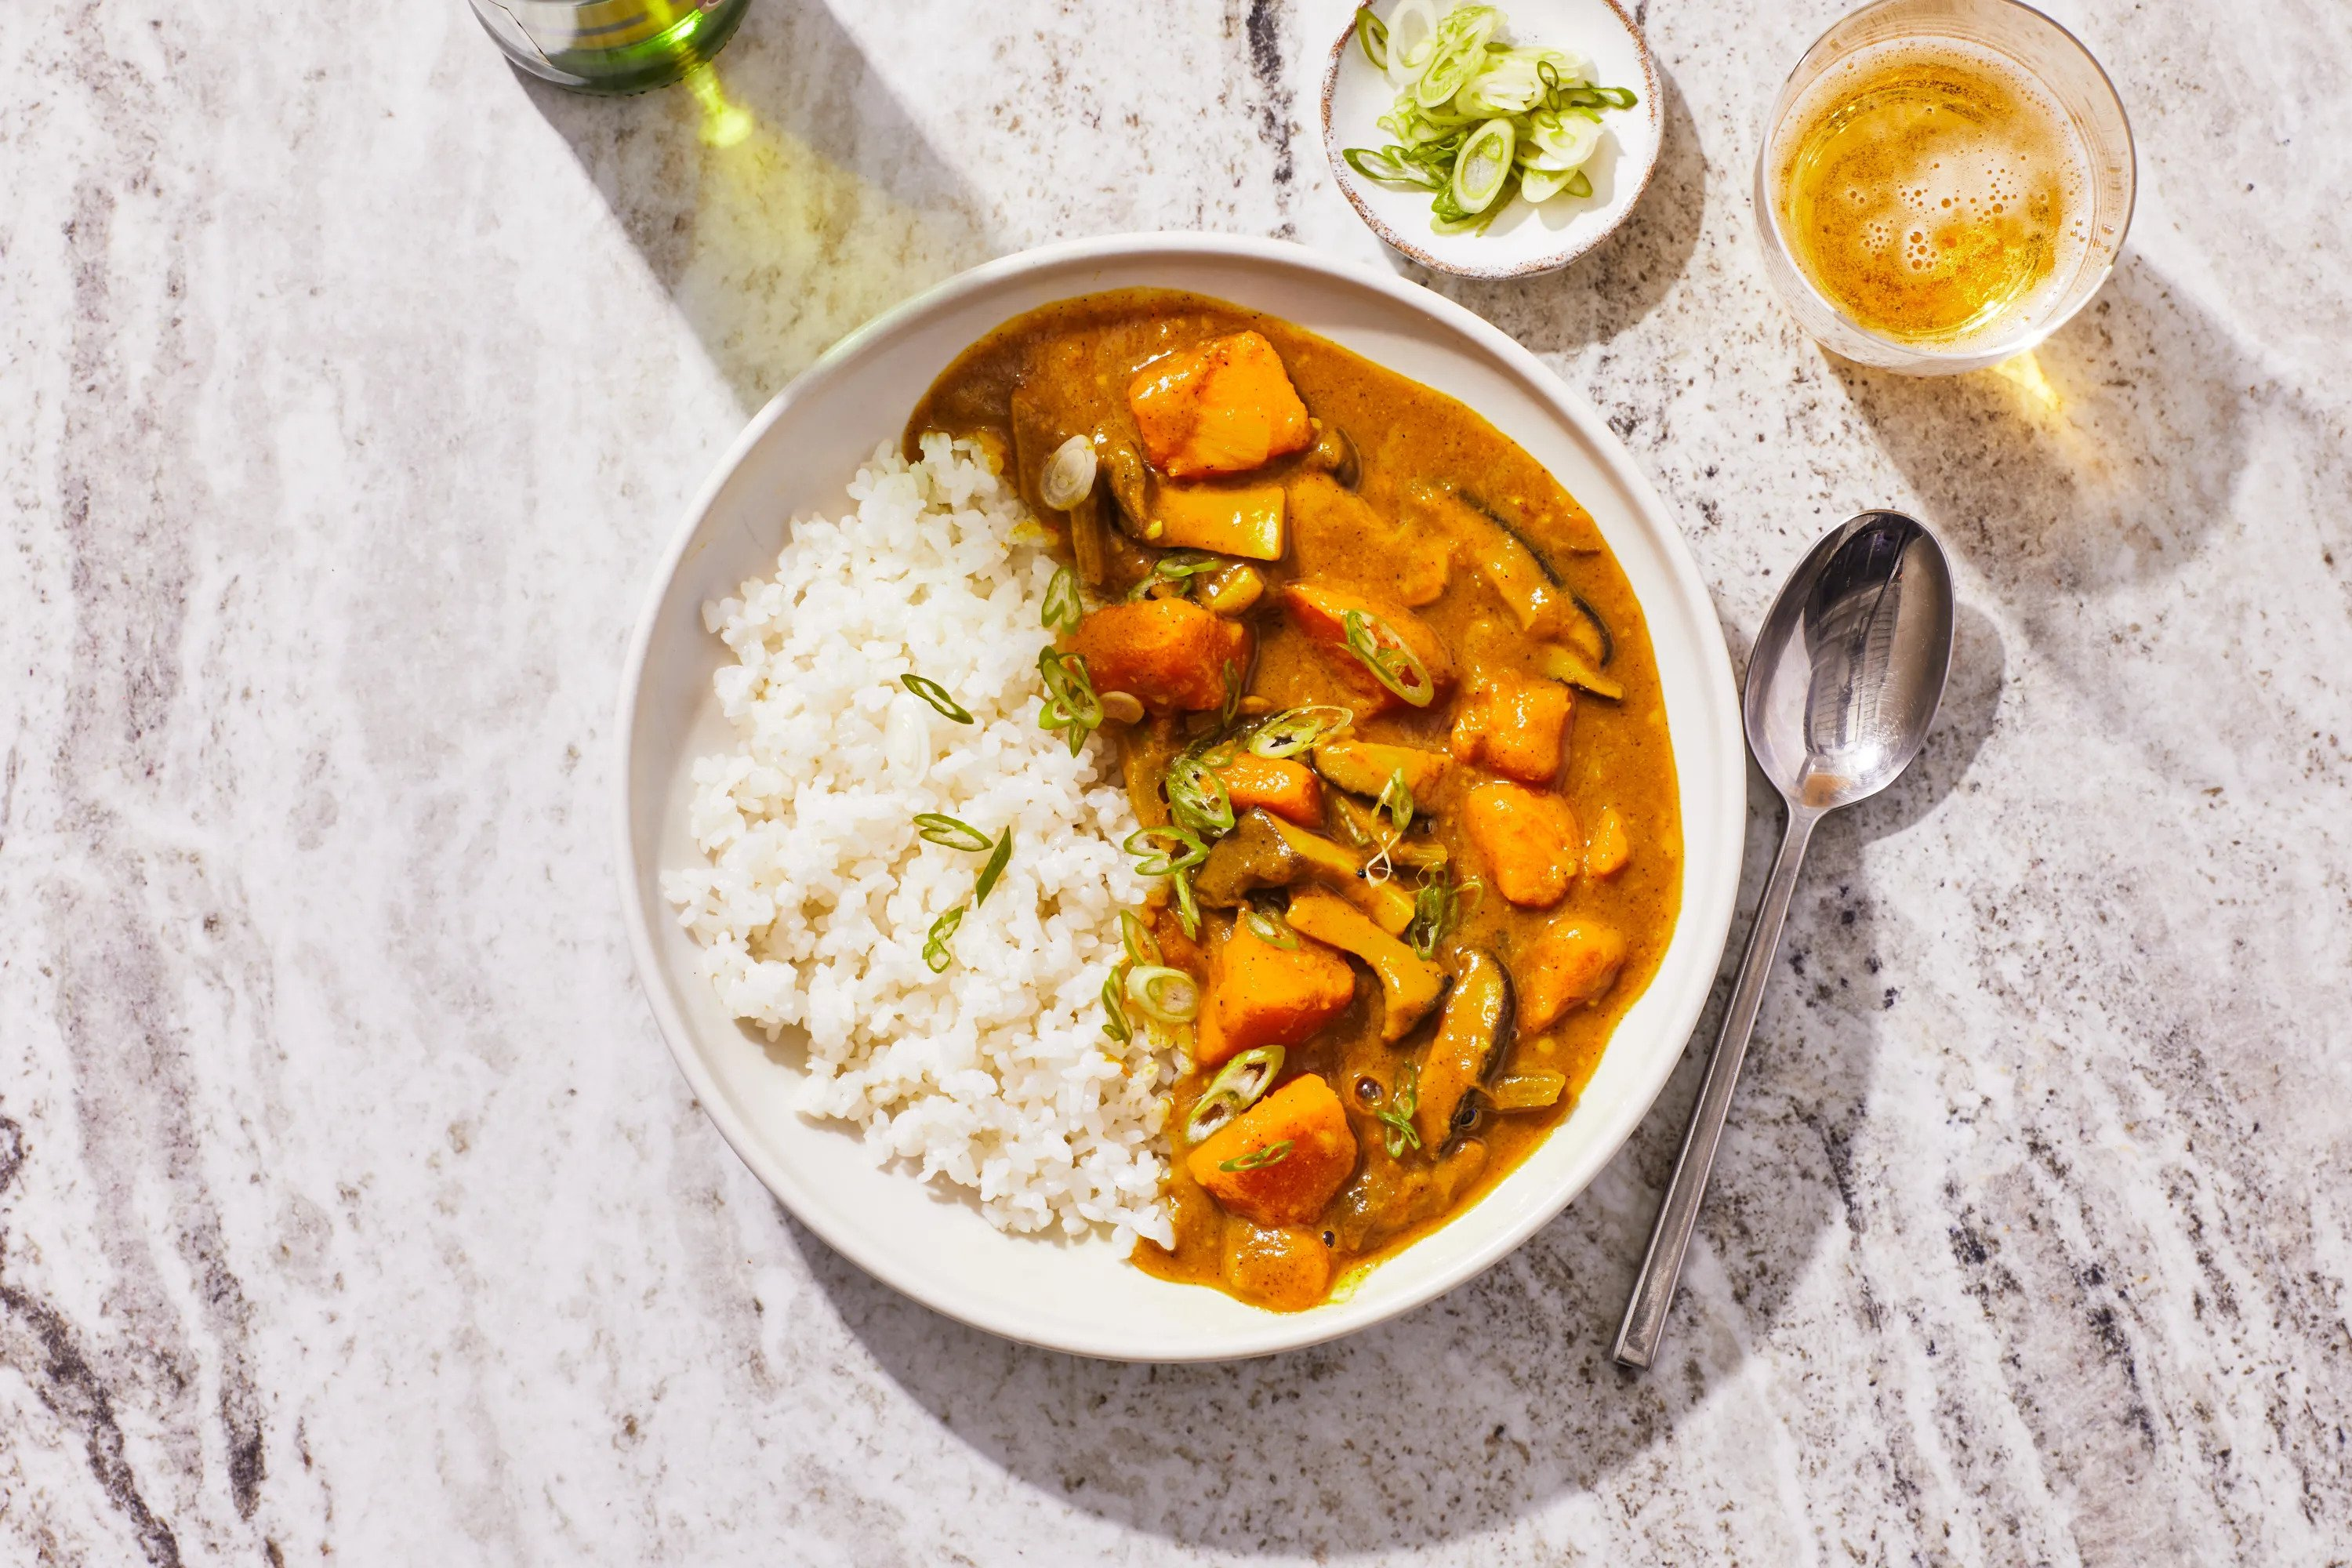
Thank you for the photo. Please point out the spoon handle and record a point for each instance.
(1653, 1289)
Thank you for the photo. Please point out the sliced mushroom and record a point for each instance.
(1470, 1043)
(1365, 767)
(1410, 985)
(1255, 855)
(1130, 484)
(1333, 453)
(1389, 905)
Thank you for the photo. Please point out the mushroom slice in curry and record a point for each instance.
(1321, 603)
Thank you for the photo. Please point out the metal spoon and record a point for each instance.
(1841, 689)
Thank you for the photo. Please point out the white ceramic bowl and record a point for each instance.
(795, 456)
(1524, 239)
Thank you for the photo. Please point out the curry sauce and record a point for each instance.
(1389, 706)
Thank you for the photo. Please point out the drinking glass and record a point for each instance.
(2044, 51)
(610, 46)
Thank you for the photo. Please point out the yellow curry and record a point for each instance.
(1386, 709)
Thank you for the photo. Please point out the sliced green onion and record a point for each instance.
(1171, 995)
(1392, 664)
(1064, 608)
(1070, 702)
(992, 870)
(1115, 1020)
(1460, 54)
(1374, 34)
(1438, 910)
(1413, 34)
(1485, 165)
(1396, 799)
(1182, 853)
(1142, 946)
(1292, 731)
(932, 692)
(936, 957)
(1473, 114)
(1177, 567)
(1069, 475)
(1271, 928)
(1188, 909)
(1239, 1085)
(1396, 1117)
(1197, 798)
(953, 833)
(1258, 1159)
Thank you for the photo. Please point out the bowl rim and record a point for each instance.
(1551, 261)
(1707, 918)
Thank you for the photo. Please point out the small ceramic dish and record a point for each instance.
(1524, 239)
(794, 458)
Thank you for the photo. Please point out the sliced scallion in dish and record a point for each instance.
(1292, 731)
(1258, 1159)
(1070, 702)
(1168, 996)
(1397, 1131)
(1393, 663)
(1271, 927)
(1239, 1085)
(1164, 851)
(1477, 120)
(932, 692)
(1115, 1020)
(1197, 798)
(1063, 609)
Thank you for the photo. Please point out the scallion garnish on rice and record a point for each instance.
(932, 692)
(936, 957)
(950, 832)
(1070, 703)
(992, 870)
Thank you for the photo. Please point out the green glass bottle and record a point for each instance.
(610, 45)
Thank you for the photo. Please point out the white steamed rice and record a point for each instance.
(817, 897)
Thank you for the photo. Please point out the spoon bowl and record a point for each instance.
(1849, 667)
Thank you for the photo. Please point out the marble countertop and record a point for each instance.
(350, 1209)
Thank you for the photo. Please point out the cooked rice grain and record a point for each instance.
(818, 895)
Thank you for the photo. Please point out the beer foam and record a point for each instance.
(1984, 148)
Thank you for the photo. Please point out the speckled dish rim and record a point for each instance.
(1346, 177)
(1706, 743)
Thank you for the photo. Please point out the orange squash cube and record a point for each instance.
(1279, 1161)
(1322, 615)
(1170, 653)
(1571, 961)
(1530, 840)
(1224, 407)
(1260, 995)
(1514, 725)
(1289, 790)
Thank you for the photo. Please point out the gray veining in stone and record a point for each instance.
(351, 1211)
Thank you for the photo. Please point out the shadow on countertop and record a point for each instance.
(2065, 471)
(782, 197)
(1448, 1422)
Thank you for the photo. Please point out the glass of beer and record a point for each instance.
(1942, 184)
